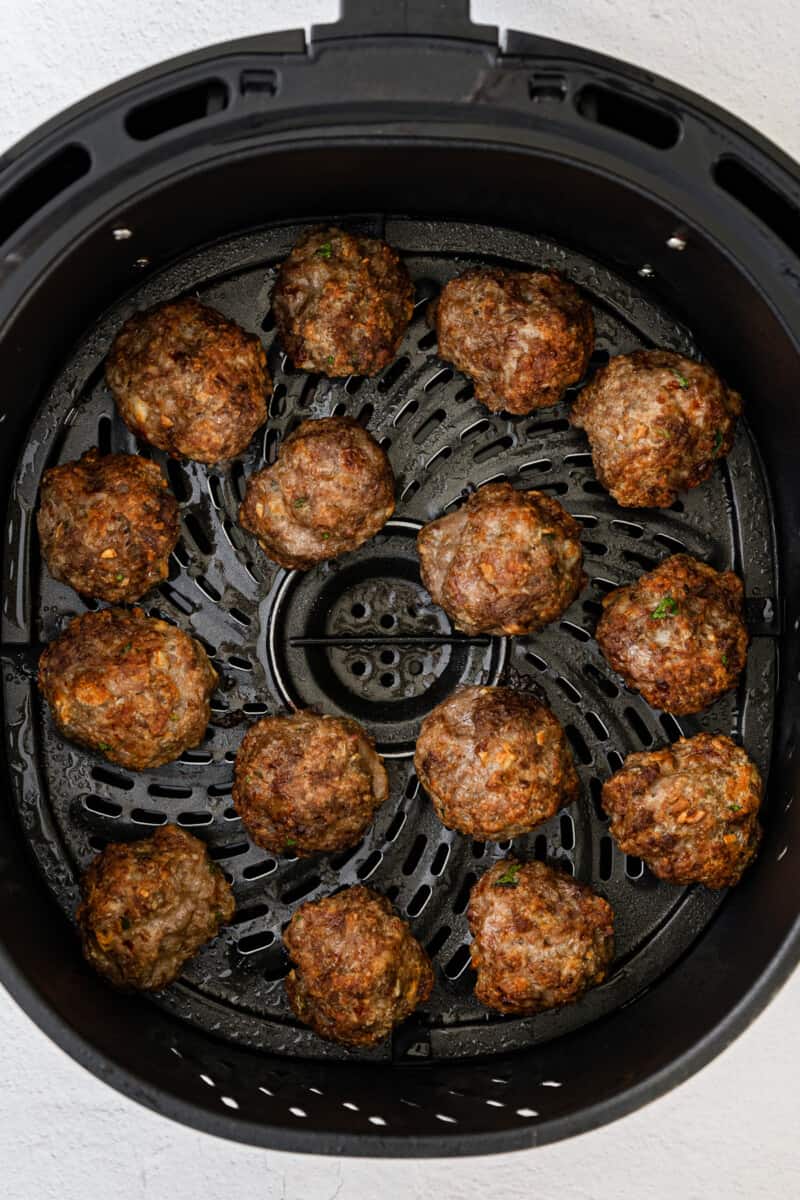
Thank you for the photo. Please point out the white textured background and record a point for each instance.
(731, 1131)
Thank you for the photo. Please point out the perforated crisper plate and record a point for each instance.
(391, 654)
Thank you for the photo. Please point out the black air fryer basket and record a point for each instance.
(682, 226)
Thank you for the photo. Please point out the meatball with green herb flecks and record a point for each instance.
(358, 969)
(495, 762)
(107, 525)
(507, 562)
(342, 302)
(130, 687)
(189, 380)
(149, 906)
(656, 423)
(331, 489)
(308, 784)
(521, 336)
(690, 811)
(539, 938)
(677, 634)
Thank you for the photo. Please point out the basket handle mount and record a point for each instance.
(393, 18)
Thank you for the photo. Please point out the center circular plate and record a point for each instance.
(360, 636)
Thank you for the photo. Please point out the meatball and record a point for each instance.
(306, 784)
(495, 762)
(149, 906)
(342, 303)
(506, 562)
(521, 336)
(677, 635)
(107, 525)
(359, 970)
(656, 424)
(129, 686)
(330, 490)
(689, 810)
(190, 381)
(540, 939)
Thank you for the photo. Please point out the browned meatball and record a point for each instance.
(656, 423)
(522, 336)
(540, 939)
(149, 906)
(689, 810)
(190, 381)
(305, 783)
(507, 562)
(359, 969)
(330, 490)
(107, 525)
(132, 687)
(495, 762)
(342, 303)
(677, 635)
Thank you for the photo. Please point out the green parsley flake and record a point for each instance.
(324, 536)
(103, 746)
(125, 923)
(666, 607)
(330, 360)
(119, 577)
(301, 502)
(126, 647)
(682, 380)
(715, 449)
(735, 807)
(509, 876)
(290, 843)
(724, 660)
(325, 250)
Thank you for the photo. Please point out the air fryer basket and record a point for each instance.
(681, 227)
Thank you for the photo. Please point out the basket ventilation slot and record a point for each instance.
(761, 199)
(178, 108)
(36, 190)
(629, 115)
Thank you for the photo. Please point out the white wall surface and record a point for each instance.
(732, 1130)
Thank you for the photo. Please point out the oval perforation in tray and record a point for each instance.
(222, 589)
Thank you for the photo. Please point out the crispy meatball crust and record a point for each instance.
(689, 810)
(307, 784)
(540, 939)
(521, 336)
(149, 906)
(677, 635)
(189, 380)
(342, 303)
(107, 525)
(495, 762)
(507, 562)
(331, 489)
(359, 970)
(656, 422)
(128, 686)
